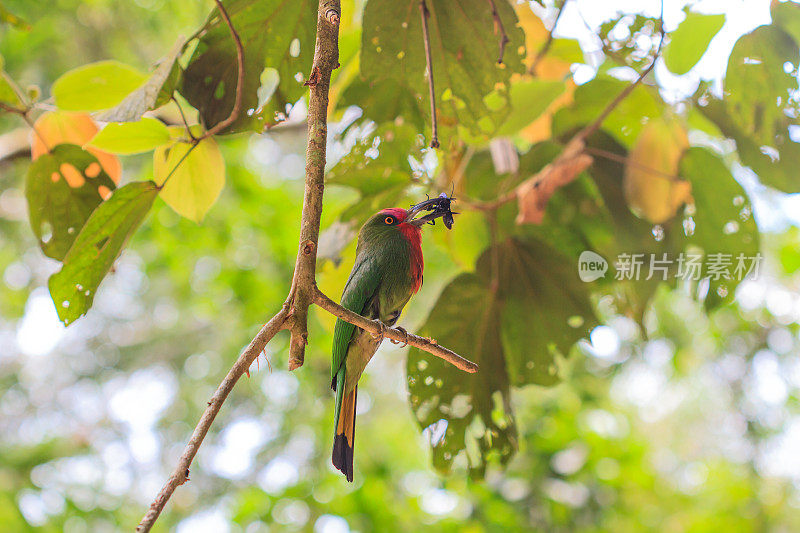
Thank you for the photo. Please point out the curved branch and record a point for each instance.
(395, 334)
(237, 104)
(181, 473)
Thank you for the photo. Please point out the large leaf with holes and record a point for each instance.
(759, 104)
(757, 86)
(155, 92)
(461, 412)
(471, 87)
(63, 187)
(512, 323)
(97, 247)
(277, 35)
(721, 222)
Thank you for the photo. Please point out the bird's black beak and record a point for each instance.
(427, 205)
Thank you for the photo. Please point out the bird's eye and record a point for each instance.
(389, 220)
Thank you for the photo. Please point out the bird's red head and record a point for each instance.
(399, 218)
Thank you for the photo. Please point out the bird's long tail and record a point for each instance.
(343, 442)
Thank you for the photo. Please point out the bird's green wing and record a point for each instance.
(359, 292)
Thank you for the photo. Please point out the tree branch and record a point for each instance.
(499, 28)
(326, 58)
(181, 473)
(395, 334)
(426, 37)
(294, 313)
(548, 43)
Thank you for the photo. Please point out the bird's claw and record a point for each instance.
(405, 342)
(381, 331)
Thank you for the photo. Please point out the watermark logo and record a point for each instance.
(591, 266)
(683, 266)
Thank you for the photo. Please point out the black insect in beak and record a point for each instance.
(437, 207)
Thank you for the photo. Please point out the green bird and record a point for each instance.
(387, 272)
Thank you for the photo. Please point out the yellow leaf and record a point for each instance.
(652, 188)
(197, 178)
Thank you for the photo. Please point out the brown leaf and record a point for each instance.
(533, 195)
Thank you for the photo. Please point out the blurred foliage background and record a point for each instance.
(670, 407)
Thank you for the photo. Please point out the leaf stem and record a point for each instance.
(499, 28)
(424, 14)
(237, 104)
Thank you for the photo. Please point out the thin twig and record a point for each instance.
(549, 42)
(424, 13)
(395, 334)
(577, 143)
(237, 104)
(181, 473)
(599, 152)
(11, 109)
(499, 28)
(594, 126)
(32, 125)
(24, 114)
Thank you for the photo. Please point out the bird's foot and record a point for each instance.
(381, 330)
(404, 342)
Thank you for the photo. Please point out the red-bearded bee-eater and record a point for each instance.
(387, 272)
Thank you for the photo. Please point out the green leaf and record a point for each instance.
(529, 99)
(63, 188)
(7, 93)
(513, 332)
(154, 93)
(197, 180)
(723, 219)
(786, 15)
(275, 34)
(464, 50)
(690, 41)
(97, 246)
(131, 137)
(96, 86)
